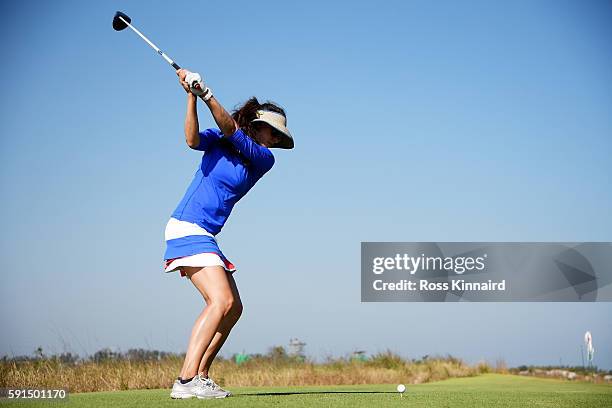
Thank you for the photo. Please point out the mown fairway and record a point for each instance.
(491, 390)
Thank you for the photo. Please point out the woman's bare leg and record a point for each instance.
(227, 323)
(213, 283)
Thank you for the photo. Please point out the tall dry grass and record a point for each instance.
(123, 375)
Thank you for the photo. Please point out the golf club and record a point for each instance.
(121, 21)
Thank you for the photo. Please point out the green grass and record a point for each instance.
(490, 390)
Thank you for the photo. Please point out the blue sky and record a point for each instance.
(414, 121)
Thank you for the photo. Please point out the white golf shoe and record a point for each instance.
(199, 387)
(216, 386)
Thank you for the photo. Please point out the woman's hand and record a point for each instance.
(196, 85)
(182, 73)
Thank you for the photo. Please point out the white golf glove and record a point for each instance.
(196, 85)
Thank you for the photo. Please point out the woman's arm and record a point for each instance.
(224, 120)
(192, 126)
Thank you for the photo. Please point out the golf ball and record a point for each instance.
(401, 388)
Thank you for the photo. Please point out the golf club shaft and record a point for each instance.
(160, 52)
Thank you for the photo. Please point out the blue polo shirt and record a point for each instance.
(229, 168)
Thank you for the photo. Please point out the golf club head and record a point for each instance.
(119, 24)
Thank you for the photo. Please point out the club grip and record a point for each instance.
(175, 66)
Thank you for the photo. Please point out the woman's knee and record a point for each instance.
(226, 304)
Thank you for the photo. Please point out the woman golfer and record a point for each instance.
(237, 155)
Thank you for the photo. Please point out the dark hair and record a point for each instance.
(244, 114)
